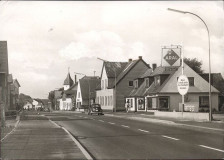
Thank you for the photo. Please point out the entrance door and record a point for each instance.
(149, 103)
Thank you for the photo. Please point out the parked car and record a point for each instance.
(95, 109)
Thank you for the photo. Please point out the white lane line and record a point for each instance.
(125, 126)
(170, 137)
(143, 130)
(111, 122)
(212, 148)
(101, 120)
(85, 117)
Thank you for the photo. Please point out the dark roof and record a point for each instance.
(68, 80)
(72, 90)
(127, 68)
(147, 73)
(16, 81)
(137, 92)
(111, 67)
(217, 81)
(164, 70)
(87, 82)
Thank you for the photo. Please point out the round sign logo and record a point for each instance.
(182, 84)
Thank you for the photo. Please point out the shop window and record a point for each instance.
(105, 100)
(164, 103)
(130, 83)
(203, 101)
(141, 104)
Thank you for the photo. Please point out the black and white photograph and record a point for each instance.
(111, 80)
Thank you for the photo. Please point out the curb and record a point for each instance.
(16, 124)
(83, 150)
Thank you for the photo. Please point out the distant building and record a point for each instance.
(65, 102)
(86, 91)
(4, 71)
(117, 82)
(14, 94)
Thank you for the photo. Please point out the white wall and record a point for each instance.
(78, 99)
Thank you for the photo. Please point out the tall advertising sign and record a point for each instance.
(171, 56)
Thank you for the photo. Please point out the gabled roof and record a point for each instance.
(147, 73)
(68, 80)
(128, 68)
(163, 70)
(138, 92)
(16, 81)
(112, 67)
(72, 90)
(89, 84)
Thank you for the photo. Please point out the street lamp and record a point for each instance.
(210, 102)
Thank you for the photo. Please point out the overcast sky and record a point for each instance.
(45, 38)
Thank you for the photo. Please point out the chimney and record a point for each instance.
(154, 66)
(139, 57)
(129, 60)
(75, 78)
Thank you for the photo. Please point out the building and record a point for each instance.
(159, 91)
(37, 104)
(86, 91)
(14, 95)
(28, 106)
(117, 82)
(65, 101)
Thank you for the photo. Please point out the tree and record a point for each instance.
(194, 64)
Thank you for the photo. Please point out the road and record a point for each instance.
(115, 138)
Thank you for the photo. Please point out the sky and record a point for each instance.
(46, 38)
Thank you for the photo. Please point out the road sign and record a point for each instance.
(182, 84)
(171, 57)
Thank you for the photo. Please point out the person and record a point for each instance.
(127, 106)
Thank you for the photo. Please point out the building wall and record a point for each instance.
(175, 99)
(66, 104)
(123, 89)
(101, 97)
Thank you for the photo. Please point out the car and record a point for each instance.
(95, 109)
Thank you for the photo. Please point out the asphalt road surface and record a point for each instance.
(115, 138)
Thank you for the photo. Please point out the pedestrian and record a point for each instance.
(127, 106)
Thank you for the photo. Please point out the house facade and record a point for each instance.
(14, 94)
(117, 82)
(65, 103)
(159, 91)
(86, 91)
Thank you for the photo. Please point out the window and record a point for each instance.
(191, 81)
(102, 84)
(105, 100)
(146, 82)
(106, 83)
(164, 103)
(130, 84)
(157, 80)
(203, 101)
(136, 83)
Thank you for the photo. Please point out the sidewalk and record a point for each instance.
(149, 117)
(36, 137)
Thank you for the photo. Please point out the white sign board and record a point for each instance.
(182, 84)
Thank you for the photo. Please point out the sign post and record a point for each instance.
(182, 86)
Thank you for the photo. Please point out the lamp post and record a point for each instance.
(186, 12)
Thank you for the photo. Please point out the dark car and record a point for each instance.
(95, 109)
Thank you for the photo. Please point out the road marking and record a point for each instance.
(212, 148)
(111, 122)
(143, 130)
(101, 120)
(170, 137)
(85, 117)
(125, 126)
